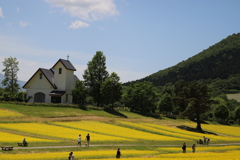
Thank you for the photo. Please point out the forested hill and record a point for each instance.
(218, 61)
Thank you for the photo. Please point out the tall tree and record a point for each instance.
(10, 73)
(111, 89)
(141, 97)
(79, 92)
(95, 75)
(221, 112)
(196, 99)
(166, 103)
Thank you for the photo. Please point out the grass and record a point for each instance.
(53, 126)
(234, 96)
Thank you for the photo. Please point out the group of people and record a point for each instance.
(87, 140)
(184, 147)
(205, 141)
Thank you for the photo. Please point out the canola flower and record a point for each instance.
(119, 131)
(57, 131)
(99, 154)
(15, 138)
(157, 130)
(197, 135)
(229, 155)
(228, 130)
(201, 148)
(7, 113)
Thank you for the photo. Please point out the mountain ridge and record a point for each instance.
(220, 60)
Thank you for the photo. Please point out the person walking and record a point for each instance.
(193, 148)
(118, 155)
(88, 139)
(79, 140)
(184, 147)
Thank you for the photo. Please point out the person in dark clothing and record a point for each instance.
(184, 147)
(193, 148)
(118, 155)
(88, 140)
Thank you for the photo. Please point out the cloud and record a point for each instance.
(24, 24)
(87, 10)
(78, 24)
(1, 13)
(17, 10)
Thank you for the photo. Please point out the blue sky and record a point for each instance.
(138, 37)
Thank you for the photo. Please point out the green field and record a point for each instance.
(234, 96)
(52, 133)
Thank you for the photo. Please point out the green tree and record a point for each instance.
(79, 92)
(221, 112)
(196, 99)
(10, 73)
(111, 89)
(95, 75)
(141, 97)
(166, 103)
(237, 114)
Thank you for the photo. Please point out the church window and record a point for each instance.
(60, 71)
(40, 76)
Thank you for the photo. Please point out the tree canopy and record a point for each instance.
(95, 75)
(10, 73)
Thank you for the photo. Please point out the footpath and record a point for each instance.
(45, 147)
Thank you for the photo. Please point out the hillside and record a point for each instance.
(52, 132)
(218, 61)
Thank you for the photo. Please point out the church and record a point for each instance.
(52, 85)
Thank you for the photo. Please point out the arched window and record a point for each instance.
(60, 71)
(39, 97)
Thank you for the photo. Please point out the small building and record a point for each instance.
(52, 85)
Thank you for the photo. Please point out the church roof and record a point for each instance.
(47, 73)
(67, 64)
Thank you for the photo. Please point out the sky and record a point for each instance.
(138, 37)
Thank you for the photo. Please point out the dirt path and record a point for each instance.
(45, 147)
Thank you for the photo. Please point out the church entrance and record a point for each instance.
(39, 97)
(55, 99)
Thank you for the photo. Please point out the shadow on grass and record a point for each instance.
(114, 112)
(149, 115)
(191, 129)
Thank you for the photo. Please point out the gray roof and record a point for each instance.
(67, 64)
(47, 73)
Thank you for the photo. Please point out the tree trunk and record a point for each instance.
(199, 128)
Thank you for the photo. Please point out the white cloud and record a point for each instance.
(17, 9)
(88, 10)
(1, 13)
(78, 24)
(24, 24)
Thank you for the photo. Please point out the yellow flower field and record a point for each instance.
(78, 155)
(158, 130)
(14, 138)
(197, 135)
(110, 129)
(229, 155)
(7, 113)
(201, 148)
(57, 131)
(126, 155)
(228, 130)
